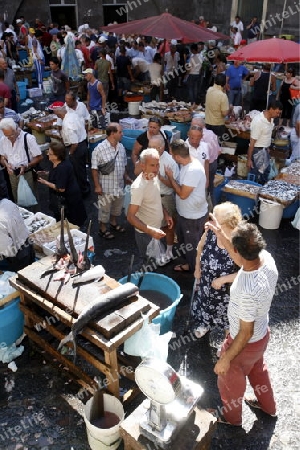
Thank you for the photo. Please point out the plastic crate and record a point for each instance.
(22, 89)
(34, 92)
(245, 204)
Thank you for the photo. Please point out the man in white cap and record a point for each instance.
(21, 31)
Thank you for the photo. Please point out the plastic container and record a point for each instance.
(218, 191)
(270, 214)
(11, 322)
(134, 108)
(128, 142)
(289, 212)
(103, 438)
(245, 204)
(48, 246)
(228, 148)
(132, 133)
(47, 87)
(183, 127)
(22, 89)
(164, 285)
(242, 169)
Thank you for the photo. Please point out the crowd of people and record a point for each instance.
(173, 180)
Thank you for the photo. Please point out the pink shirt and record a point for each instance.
(211, 139)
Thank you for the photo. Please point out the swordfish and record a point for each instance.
(91, 312)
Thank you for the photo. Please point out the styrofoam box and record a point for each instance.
(34, 92)
(25, 213)
(38, 216)
(48, 246)
(228, 148)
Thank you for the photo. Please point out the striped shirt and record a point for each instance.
(103, 153)
(251, 295)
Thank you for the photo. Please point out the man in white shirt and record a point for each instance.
(74, 137)
(258, 160)
(191, 202)
(20, 154)
(214, 150)
(237, 23)
(14, 244)
(171, 60)
(72, 103)
(198, 148)
(109, 187)
(193, 81)
(145, 211)
(166, 191)
(242, 352)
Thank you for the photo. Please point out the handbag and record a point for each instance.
(108, 167)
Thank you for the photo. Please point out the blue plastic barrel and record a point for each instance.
(22, 89)
(164, 285)
(11, 322)
(183, 127)
(132, 133)
(289, 212)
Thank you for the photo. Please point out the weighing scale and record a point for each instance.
(172, 400)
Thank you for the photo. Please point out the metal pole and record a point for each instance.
(281, 26)
(269, 85)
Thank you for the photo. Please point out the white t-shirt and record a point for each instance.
(73, 128)
(196, 63)
(146, 194)
(195, 205)
(166, 160)
(81, 110)
(251, 295)
(261, 130)
(201, 152)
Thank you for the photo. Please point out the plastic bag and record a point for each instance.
(273, 169)
(147, 342)
(127, 198)
(296, 221)
(24, 194)
(156, 250)
(261, 160)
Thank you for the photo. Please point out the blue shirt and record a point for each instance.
(236, 75)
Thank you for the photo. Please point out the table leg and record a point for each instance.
(113, 385)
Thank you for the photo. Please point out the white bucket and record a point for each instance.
(242, 169)
(47, 87)
(270, 214)
(100, 438)
(134, 108)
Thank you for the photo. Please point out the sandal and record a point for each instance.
(117, 228)
(106, 234)
(181, 268)
(220, 418)
(253, 403)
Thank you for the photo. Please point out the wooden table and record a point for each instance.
(50, 307)
(196, 434)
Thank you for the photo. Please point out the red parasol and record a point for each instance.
(272, 50)
(166, 26)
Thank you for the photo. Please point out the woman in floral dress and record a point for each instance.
(214, 270)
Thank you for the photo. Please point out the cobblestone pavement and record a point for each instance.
(40, 407)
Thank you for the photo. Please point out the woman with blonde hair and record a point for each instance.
(214, 270)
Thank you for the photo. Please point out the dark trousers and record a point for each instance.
(142, 240)
(189, 232)
(78, 160)
(212, 172)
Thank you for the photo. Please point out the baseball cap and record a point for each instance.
(18, 21)
(31, 30)
(87, 71)
(56, 105)
(102, 39)
(173, 42)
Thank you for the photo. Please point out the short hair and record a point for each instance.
(291, 70)
(179, 147)
(155, 120)
(196, 128)
(72, 94)
(198, 121)
(194, 47)
(8, 124)
(229, 213)
(220, 79)
(158, 138)
(275, 104)
(112, 128)
(248, 240)
(148, 153)
(103, 52)
(59, 150)
(55, 60)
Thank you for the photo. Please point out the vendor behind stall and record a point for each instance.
(14, 243)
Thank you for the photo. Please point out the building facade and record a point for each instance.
(277, 16)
